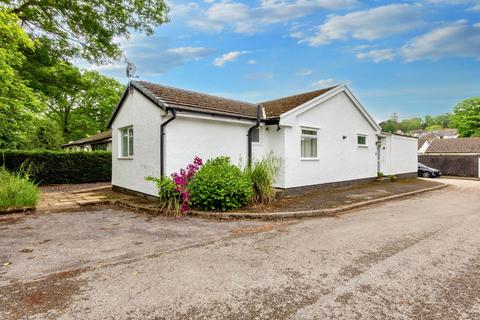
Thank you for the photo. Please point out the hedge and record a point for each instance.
(52, 167)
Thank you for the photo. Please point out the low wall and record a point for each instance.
(452, 165)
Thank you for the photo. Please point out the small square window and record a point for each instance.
(308, 144)
(361, 140)
(126, 135)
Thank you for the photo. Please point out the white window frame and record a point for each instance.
(130, 149)
(366, 141)
(302, 135)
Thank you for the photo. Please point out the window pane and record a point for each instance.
(130, 141)
(255, 135)
(308, 147)
(309, 132)
(124, 143)
(362, 140)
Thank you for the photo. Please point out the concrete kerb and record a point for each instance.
(307, 213)
(233, 215)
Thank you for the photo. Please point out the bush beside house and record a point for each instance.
(52, 167)
(218, 185)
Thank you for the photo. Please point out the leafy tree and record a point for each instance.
(18, 103)
(389, 126)
(88, 28)
(46, 134)
(466, 117)
(408, 125)
(95, 105)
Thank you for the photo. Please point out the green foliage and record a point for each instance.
(168, 197)
(16, 189)
(466, 117)
(45, 134)
(389, 126)
(50, 167)
(429, 123)
(94, 105)
(18, 102)
(393, 178)
(87, 28)
(380, 174)
(262, 175)
(219, 185)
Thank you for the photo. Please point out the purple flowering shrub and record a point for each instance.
(182, 179)
(173, 192)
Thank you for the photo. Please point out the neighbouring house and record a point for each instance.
(425, 138)
(99, 141)
(454, 157)
(324, 137)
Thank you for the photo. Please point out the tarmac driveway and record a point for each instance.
(412, 258)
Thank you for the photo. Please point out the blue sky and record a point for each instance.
(409, 57)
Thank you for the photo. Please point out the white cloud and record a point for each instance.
(248, 20)
(192, 53)
(476, 7)
(182, 9)
(377, 55)
(304, 73)
(206, 25)
(297, 35)
(368, 24)
(458, 39)
(324, 83)
(152, 56)
(252, 61)
(228, 57)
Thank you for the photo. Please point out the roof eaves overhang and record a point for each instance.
(147, 94)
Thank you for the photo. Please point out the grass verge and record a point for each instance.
(16, 190)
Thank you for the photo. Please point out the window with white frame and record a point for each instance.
(309, 144)
(361, 140)
(126, 135)
(255, 135)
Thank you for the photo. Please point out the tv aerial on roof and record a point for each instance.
(131, 69)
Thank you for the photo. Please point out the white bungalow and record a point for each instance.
(324, 137)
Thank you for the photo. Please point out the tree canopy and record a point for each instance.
(18, 103)
(44, 99)
(87, 28)
(466, 117)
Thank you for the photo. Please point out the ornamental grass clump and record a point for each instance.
(262, 175)
(16, 189)
(220, 185)
(173, 193)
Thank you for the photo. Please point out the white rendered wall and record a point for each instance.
(193, 135)
(338, 159)
(145, 118)
(398, 155)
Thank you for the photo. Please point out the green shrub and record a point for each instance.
(219, 185)
(49, 167)
(380, 174)
(16, 190)
(262, 175)
(168, 197)
(393, 178)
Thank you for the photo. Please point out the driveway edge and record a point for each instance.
(308, 213)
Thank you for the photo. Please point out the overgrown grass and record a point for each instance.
(16, 190)
(262, 174)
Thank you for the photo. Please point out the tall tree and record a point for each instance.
(88, 28)
(18, 104)
(95, 105)
(466, 117)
